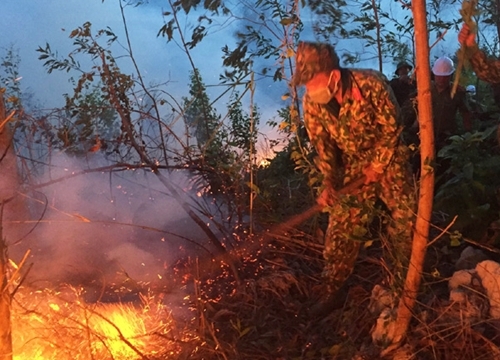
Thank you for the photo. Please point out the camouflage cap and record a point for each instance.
(403, 64)
(312, 58)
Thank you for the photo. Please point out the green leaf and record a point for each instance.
(468, 171)
(455, 242)
(455, 238)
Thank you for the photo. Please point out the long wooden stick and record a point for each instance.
(278, 229)
(300, 218)
(468, 11)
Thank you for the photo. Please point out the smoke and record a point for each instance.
(102, 229)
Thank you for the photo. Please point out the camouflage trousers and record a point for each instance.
(351, 216)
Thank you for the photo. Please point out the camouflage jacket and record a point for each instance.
(364, 127)
(402, 89)
(486, 69)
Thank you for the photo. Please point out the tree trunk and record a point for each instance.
(379, 37)
(5, 195)
(426, 192)
(5, 301)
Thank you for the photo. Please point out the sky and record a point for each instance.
(53, 22)
(159, 62)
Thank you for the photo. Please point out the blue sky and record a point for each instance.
(53, 22)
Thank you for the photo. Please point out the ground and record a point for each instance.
(273, 312)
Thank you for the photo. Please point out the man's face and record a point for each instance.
(403, 72)
(442, 82)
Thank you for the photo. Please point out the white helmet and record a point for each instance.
(443, 66)
(471, 89)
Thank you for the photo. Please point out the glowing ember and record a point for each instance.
(49, 325)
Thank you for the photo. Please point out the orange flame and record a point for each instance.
(49, 325)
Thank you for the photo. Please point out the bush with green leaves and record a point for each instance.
(469, 186)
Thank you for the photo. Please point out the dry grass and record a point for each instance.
(268, 315)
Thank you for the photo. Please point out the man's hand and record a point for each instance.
(327, 197)
(371, 174)
(466, 37)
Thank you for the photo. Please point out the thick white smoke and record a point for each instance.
(102, 229)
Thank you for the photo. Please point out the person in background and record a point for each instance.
(354, 112)
(486, 68)
(470, 91)
(404, 88)
(403, 85)
(475, 107)
(446, 108)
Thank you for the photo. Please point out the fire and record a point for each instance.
(49, 325)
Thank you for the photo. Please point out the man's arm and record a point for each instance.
(486, 69)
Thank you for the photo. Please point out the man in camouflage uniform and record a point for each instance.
(486, 69)
(403, 85)
(355, 112)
